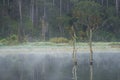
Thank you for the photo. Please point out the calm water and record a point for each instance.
(58, 66)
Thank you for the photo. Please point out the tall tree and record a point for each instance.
(117, 7)
(88, 13)
(60, 16)
(107, 3)
(44, 23)
(53, 2)
(20, 29)
(32, 10)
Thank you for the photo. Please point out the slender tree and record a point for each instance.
(8, 2)
(32, 11)
(117, 7)
(88, 13)
(44, 23)
(74, 55)
(53, 2)
(20, 29)
(107, 3)
(102, 1)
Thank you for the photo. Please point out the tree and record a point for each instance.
(117, 7)
(32, 10)
(88, 13)
(20, 29)
(60, 16)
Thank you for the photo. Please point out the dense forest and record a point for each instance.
(42, 20)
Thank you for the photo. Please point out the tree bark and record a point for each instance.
(91, 55)
(68, 6)
(60, 8)
(117, 7)
(74, 56)
(44, 23)
(102, 1)
(32, 11)
(3, 2)
(53, 2)
(20, 29)
(107, 3)
(60, 24)
(8, 2)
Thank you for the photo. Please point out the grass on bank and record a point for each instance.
(60, 41)
(81, 44)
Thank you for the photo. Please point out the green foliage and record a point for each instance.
(110, 11)
(12, 40)
(3, 42)
(104, 36)
(13, 37)
(59, 40)
(88, 13)
(79, 12)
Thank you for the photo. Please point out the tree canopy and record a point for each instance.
(23, 18)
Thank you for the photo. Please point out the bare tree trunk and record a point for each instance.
(35, 13)
(44, 29)
(44, 24)
(3, 2)
(74, 56)
(53, 2)
(59, 24)
(68, 6)
(32, 15)
(44, 8)
(60, 8)
(8, 2)
(107, 3)
(20, 29)
(102, 1)
(117, 7)
(32, 11)
(91, 55)
(21, 76)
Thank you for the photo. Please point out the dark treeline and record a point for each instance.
(44, 19)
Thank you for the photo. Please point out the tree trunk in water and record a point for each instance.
(91, 55)
(20, 29)
(74, 56)
(117, 7)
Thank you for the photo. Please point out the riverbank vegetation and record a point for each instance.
(45, 20)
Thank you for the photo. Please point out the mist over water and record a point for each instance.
(58, 66)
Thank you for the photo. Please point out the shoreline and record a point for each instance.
(55, 49)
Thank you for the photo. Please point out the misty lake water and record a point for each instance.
(55, 63)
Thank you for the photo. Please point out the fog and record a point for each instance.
(57, 65)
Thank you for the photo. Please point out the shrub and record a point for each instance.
(12, 40)
(13, 37)
(4, 41)
(59, 40)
